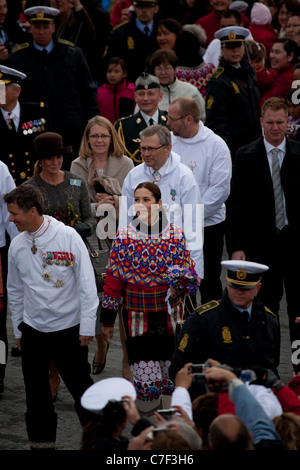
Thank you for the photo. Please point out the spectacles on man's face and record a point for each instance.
(99, 136)
(150, 149)
(176, 119)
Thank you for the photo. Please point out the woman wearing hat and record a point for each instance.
(65, 197)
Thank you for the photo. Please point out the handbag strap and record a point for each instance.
(91, 250)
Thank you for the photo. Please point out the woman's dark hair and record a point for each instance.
(111, 420)
(163, 56)
(290, 47)
(171, 25)
(152, 187)
(187, 49)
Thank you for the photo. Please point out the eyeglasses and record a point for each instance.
(292, 25)
(150, 149)
(97, 136)
(177, 119)
(163, 69)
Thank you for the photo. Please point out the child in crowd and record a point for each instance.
(257, 56)
(115, 98)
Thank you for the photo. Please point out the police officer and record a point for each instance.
(232, 98)
(148, 94)
(236, 330)
(58, 75)
(135, 40)
(20, 123)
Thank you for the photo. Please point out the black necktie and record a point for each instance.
(11, 124)
(146, 30)
(151, 122)
(245, 316)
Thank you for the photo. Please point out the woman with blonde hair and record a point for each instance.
(103, 165)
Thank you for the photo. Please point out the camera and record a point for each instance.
(198, 368)
(166, 414)
(198, 372)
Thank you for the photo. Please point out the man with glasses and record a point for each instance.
(135, 40)
(180, 191)
(147, 95)
(207, 155)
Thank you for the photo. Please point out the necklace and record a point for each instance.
(40, 231)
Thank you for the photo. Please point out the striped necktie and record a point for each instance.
(278, 196)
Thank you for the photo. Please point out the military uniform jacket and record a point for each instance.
(17, 146)
(129, 129)
(232, 105)
(62, 80)
(218, 331)
(128, 42)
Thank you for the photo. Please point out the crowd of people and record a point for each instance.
(179, 125)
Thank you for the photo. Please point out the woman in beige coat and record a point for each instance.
(103, 165)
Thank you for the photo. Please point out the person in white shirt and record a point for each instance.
(6, 227)
(53, 302)
(208, 156)
(180, 192)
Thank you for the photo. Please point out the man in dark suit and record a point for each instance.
(20, 123)
(147, 95)
(263, 211)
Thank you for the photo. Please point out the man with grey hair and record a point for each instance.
(208, 156)
(180, 191)
(20, 123)
(148, 94)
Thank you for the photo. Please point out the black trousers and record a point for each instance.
(3, 315)
(282, 277)
(211, 285)
(38, 350)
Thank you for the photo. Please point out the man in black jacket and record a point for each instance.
(20, 123)
(135, 41)
(254, 229)
(58, 75)
(232, 99)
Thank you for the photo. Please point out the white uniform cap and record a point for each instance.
(243, 274)
(9, 75)
(96, 397)
(41, 14)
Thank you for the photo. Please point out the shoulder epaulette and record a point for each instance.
(217, 72)
(19, 47)
(270, 311)
(67, 43)
(205, 307)
(126, 117)
(119, 25)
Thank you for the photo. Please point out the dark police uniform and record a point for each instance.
(219, 331)
(129, 129)
(225, 332)
(17, 146)
(232, 97)
(131, 44)
(62, 80)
